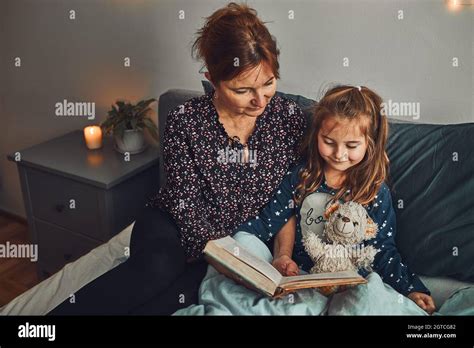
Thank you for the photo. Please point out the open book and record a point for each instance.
(232, 259)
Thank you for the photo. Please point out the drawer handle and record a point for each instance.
(59, 208)
(67, 257)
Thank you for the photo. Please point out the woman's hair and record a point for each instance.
(234, 40)
(365, 178)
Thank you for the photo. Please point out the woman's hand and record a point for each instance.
(423, 300)
(285, 265)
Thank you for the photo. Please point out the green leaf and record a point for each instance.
(143, 113)
(125, 115)
(119, 130)
(151, 127)
(120, 104)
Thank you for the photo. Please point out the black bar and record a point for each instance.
(257, 329)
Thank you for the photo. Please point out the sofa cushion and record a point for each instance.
(432, 183)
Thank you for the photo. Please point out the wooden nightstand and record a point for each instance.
(77, 199)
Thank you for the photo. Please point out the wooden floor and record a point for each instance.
(16, 274)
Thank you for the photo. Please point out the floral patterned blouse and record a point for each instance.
(215, 183)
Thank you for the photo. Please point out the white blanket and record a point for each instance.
(219, 295)
(45, 296)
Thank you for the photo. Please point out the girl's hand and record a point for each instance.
(285, 265)
(423, 300)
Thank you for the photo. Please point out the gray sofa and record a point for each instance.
(411, 176)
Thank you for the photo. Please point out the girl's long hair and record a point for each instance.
(365, 178)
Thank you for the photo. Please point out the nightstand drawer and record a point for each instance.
(65, 203)
(57, 247)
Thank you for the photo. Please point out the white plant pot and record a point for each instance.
(133, 142)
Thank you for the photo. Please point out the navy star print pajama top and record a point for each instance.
(309, 217)
(208, 191)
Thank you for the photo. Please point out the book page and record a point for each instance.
(320, 276)
(238, 251)
(293, 286)
(229, 265)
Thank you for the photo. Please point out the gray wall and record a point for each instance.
(407, 60)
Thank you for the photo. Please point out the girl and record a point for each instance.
(344, 159)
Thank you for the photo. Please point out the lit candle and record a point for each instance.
(93, 137)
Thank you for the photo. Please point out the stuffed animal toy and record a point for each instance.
(341, 248)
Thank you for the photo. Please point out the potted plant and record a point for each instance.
(127, 121)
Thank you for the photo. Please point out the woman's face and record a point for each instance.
(248, 93)
(341, 143)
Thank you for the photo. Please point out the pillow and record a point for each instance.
(432, 185)
(304, 103)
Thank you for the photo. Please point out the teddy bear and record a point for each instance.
(340, 248)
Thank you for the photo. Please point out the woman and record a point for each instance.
(225, 154)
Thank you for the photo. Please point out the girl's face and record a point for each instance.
(341, 143)
(248, 93)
